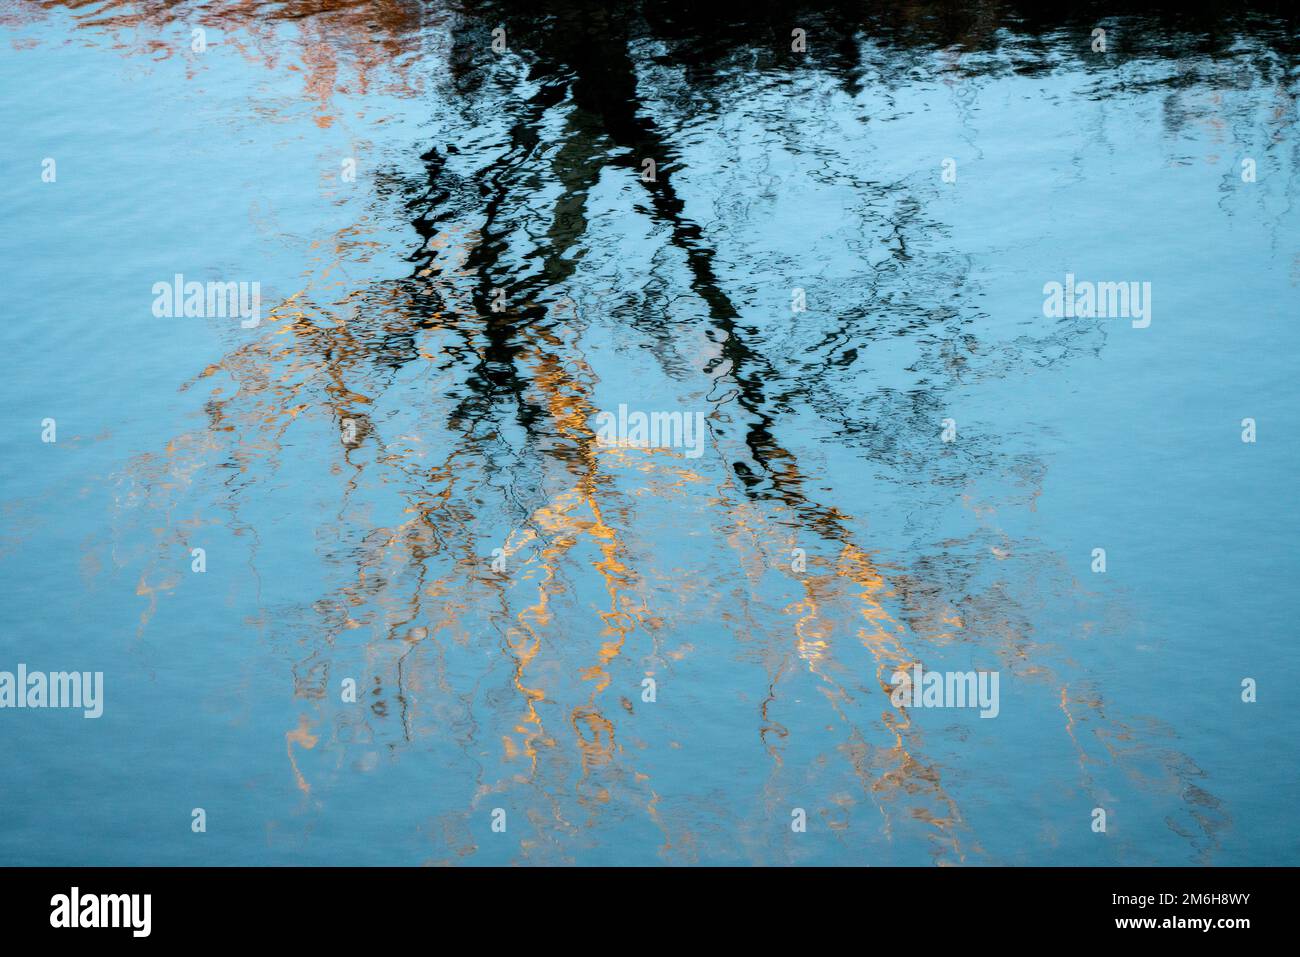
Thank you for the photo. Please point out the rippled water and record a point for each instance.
(396, 476)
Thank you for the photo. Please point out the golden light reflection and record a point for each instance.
(565, 729)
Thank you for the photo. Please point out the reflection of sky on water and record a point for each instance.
(372, 559)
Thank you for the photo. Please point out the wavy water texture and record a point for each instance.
(500, 583)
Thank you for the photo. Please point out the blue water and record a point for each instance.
(350, 464)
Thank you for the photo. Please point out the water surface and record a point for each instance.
(396, 483)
